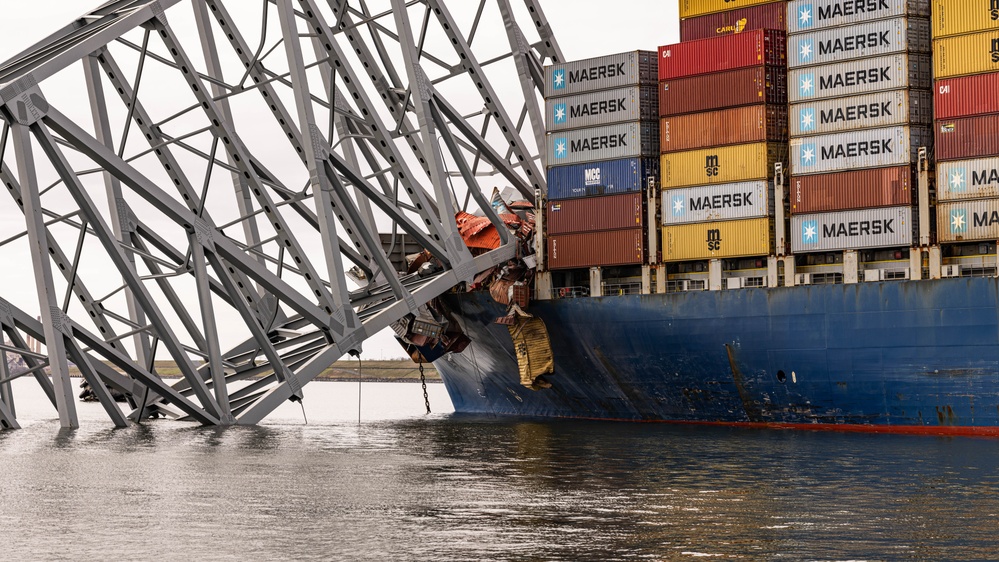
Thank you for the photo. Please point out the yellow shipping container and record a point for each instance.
(691, 8)
(729, 239)
(956, 17)
(964, 55)
(723, 164)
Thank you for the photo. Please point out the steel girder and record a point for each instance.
(243, 172)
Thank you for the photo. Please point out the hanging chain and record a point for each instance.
(423, 381)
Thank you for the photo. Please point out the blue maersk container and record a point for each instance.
(601, 178)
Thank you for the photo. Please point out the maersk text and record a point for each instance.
(858, 228)
(859, 148)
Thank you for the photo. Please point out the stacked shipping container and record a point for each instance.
(966, 71)
(860, 110)
(602, 145)
(724, 124)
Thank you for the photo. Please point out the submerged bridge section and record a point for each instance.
(210, 182)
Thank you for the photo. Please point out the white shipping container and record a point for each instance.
(710, 203)
(891, 72)
(882, 109)
(968, 220)
(968, 179)
(810, 15)
(886, 227)
(593, 109)
(859, 41)
(611, 142)
(602, 73)
(855, 150)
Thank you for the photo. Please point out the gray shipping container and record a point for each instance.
(968, 220)
(968, 179)
(611, 142)
(811, 15)
(891, 72)
(886, 227)
(855, 150)
(602, 73)
(633, 103)
(709, 203)
(862, 40)
(882, 109)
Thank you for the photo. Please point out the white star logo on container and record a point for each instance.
(559, 113)
(809, 232)
(957, 180)
(678, 205)
(805, 17)
(807, 85)
(560, 148)
(958, 222)
(559, 79)
(807, 154)
(807, 119)
(805, 47)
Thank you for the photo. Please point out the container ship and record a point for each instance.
(787, 219)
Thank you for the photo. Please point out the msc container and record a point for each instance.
(810, 15)
(968, 179)
(881, 109)
(625, 140)
(869, 148)
(592, 214)
(752, 48)
(595, 249)
(891, 72)
(859, 41)
(691, 8)
(709, 203)
(601, 178)
(708, 92)
(968, 137)
(601, 73)
(966, 54)
(593, 109)
(959, 221)
(957, 17)
(856, 189)
(852, 230)
(965, 96)
(751, 123)
(717, 165)
(763, 16)
(728, 239)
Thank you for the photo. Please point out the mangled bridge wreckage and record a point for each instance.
(255, 172)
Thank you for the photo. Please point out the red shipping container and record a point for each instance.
(752, 48)
(751, 123)
(856, 189)
(970, 137)
(708, 92)
(590, 214)
(596, 249)
(763, 16)
(965, 96)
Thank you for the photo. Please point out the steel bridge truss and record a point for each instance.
(211, 188)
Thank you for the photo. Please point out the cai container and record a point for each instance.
(886, 227)
(853, 150)
(728, 52)
(711, 203)
(610, 142)
(964, 55)
(891, 72)
(967, 221)
(810, 15)
(863, 40)
(592, 214)
(693, 8)
(601, 73)
(968, 137)
(620, 105)
(880, 109)
(968, 179)
(763, 16)
(854, 189)
(724, 164)
(596, 249)
(709, 92)
(601, 178)
(966, 96)
(727, 239)
(957, 17)
(740, 125)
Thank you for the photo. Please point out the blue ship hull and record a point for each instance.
(920, 356)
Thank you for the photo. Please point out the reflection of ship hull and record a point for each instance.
(919, 356)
